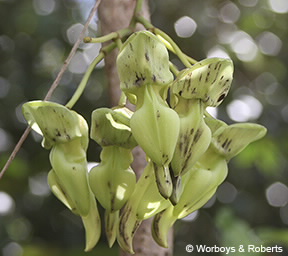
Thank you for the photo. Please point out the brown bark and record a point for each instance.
(115, 15)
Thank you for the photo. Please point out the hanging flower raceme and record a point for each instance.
(187, 150)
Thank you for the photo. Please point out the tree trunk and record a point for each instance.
(115, 15)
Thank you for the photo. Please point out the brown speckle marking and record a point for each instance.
(158, 114)
(58, 134)
(224, 143)
(191, 131)
(139, 79)
(207, 77)
(227, 81)
(147, 56)
(200, 77)
(221, 97)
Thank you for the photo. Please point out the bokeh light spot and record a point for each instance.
(217, 51)
(277, 194)
(50, 55)
(245, 108)
(244, 46)
(191, 217)
(248, 3)
(38, 185)
(6, 203)
(44, 7)
(91, 51)
(226, 193)
(79, 63)
(210, 202)
(12, 249)
(73, 32)
(269, 43)
(185, 27)
(278, 6)
(229, 13)
(5, 140)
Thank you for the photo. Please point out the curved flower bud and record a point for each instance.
(111, 127)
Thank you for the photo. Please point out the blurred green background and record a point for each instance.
(250, 207)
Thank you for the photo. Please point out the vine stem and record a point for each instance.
(175, 47)
(112, 36)
(138, 7)
(87, 74)
(53, 86)
(173, 68)
(137, 10)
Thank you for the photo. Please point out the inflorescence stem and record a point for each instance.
(104, 51)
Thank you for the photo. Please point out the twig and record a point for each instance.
(53, 86)
(15, 150)
(72, 52)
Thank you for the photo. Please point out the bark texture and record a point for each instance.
(115, 15)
